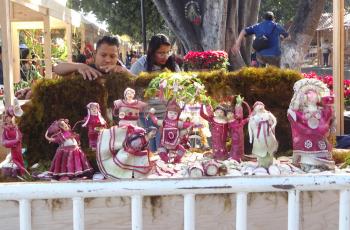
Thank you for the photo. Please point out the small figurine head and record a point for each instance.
(58, 126)
(230, 115)
(220, 111)
(258, 107)
(311, 97)
(63, 124)
(93, 108)
(173, 110)
(8, 119)
(129, 94)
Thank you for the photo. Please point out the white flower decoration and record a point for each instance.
(308, 144)
(322, 145)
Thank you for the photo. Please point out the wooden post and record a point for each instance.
(338, 63)
(82, 37)
(47, 46)
(7, 55)
(15, 53)
(68, 37)
(318, 50)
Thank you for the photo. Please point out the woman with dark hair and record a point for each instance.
(28, 69)
(158, 57)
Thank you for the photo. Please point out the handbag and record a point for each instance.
(262, 42)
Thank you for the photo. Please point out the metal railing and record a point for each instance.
(189, 188)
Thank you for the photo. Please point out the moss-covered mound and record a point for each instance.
(67, 98)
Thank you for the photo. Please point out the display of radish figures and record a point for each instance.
(312, 119)
(236, 122)
(261, 129)
(94, 122)
(128, 110)
(70, 161)
(123, 152)
(218, 129)
(12, 138)
(170, 149)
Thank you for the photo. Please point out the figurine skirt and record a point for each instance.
(71, 162)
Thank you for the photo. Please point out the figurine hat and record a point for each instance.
(257, 103)
(173, 106)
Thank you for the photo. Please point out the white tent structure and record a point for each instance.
(17, 15)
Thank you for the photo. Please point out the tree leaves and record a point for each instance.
(124, 16)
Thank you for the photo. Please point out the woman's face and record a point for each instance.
(312, 97)
(162, 54)
(172, 115)
(64, 126)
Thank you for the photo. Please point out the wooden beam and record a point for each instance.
(318, 50)
(38, 25)
(35, 7)
(7, 57)
(68, 39)
(47, 47)
(338, 63)
(15, 53)
(82, 38)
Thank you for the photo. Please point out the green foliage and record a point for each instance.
(185, 87)
(68, 97)
(124, 16)
(285, 10)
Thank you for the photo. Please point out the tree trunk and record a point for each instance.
(301, 32)
(219, 28)
(248, 20)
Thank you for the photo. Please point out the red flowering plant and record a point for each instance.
(328, 80)
(210, 59)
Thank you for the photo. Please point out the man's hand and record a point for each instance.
(235, 48)
(113, 69)
(88, 72)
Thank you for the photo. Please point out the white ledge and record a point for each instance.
(173, 186)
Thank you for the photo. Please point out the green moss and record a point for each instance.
(67, 98)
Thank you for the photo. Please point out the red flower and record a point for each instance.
(207, 59)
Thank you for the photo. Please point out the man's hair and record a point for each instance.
(0, 50)
(269, 15)
(112, 41)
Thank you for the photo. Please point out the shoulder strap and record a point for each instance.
(274, 27)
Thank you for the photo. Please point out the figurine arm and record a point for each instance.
(116, 104)
(154, 119)
(10, 143)
(54, 138)
(292, 114)
(202, 113)
(185, 125)
(273, 120)
(250, 131)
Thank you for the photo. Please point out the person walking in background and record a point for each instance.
(272, 31)
(326, 50)
(158, 57)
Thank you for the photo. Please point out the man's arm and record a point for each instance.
(235, 48)
(85, 70)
